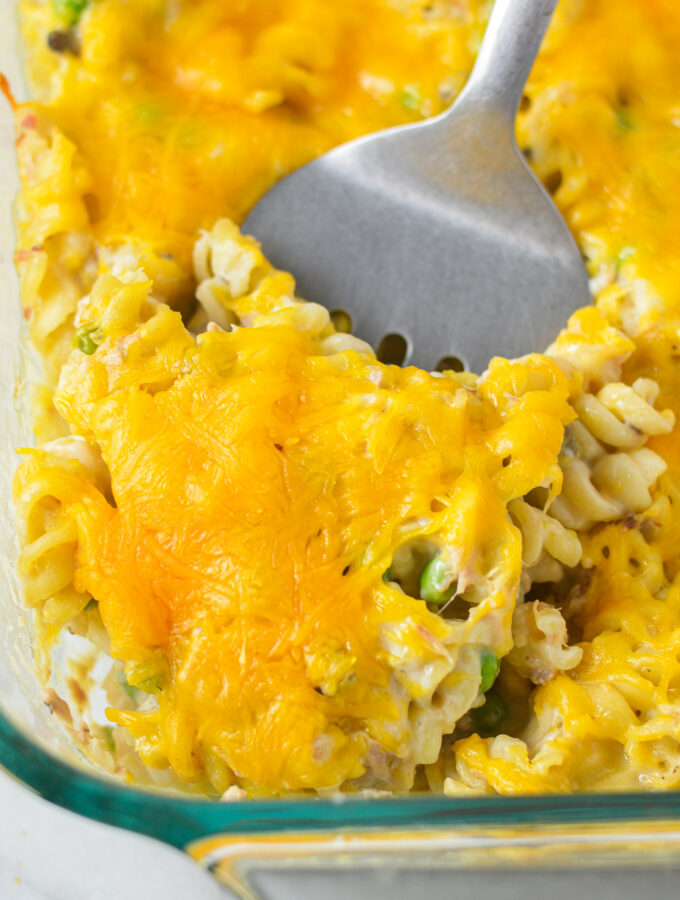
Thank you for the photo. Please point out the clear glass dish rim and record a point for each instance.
(178, 820)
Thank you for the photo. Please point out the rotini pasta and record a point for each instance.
(431, 665)
(237, 286)
(608, 473)
(54, 246)
(46, 484)
(540, 641)
(315, 571)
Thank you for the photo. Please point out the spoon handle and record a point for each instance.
(511, 42)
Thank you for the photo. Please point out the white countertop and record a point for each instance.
(47, 853)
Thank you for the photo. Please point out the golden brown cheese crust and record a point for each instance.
(261, 491)
(152, 131)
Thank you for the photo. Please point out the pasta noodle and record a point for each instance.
(54, 247)
(310, 571)
(432, 665)
(45, 486)
(541, 648)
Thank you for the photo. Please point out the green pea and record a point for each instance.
(152, 685)
(84, 340)
(387, 576)
(624, 118)
(410, 97)
(436, 586)
(69, 10)
(86, 344)
(490, 666)
(623, 256)
(489, 718)
(91, 605)
(150, 114)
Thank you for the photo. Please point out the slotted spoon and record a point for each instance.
(437, 234)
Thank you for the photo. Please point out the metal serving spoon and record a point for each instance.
(435, 237)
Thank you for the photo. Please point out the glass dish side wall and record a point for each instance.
(19, 691)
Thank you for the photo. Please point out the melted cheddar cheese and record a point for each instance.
(261, 490)
(190, 111)
(272, 488)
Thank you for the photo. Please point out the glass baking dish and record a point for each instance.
(287, 848)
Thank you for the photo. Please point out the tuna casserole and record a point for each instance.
(313, 571)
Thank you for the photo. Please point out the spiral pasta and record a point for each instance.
(615, 499)
(46, 485)
(435, 675)
(612, 723)
(548, 546)
(540, 643)
(403, 554)
(58, 255)
(54, 255)
(608, 473)
(429, 666)
(238, 286)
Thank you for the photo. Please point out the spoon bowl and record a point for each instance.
(436, 239)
